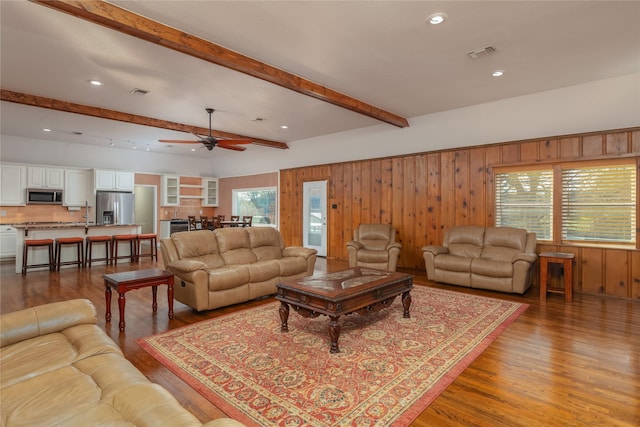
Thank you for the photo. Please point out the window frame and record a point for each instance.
(557, 210)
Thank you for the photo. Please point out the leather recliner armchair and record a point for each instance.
(374, 246)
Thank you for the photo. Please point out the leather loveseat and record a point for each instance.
(495, 258)
(231, 265)
(60, 369)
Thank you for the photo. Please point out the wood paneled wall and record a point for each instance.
(424, 194)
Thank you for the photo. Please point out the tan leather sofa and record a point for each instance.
(495, 258)
(374, 246)
(59, 368)
(231, 265)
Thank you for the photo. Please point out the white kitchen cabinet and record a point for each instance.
(13, 180)
(170, 190)
(209, 191)
(77, 188)
(106, 180)
(7, 241)
(41, 177)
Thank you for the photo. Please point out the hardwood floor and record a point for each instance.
(559, 364)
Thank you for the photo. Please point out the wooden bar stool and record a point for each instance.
(90, 240)
(119, 238)
(63, 241)
(153, 240)
(34, 243)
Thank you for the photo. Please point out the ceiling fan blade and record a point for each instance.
(221, 144)
(179, 141)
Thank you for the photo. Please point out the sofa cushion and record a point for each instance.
(227, 277)
(453, 263)
(262, 271)
(265, 242)
(465, 241)
(198, 245)
(235, 246)
(375, 237)
(372, 256)
(290, 266)
(502, 243)
(491, 268)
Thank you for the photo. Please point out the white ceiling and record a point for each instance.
(381, 52)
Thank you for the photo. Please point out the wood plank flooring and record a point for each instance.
(559, 364)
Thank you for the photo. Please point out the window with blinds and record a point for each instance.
(524, 199)
(599, 203)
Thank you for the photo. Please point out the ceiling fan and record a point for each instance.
(210, 141)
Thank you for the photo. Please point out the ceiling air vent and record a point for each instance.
(139, 92)
(475, 54)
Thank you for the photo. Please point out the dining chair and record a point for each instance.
(204, 222)
(217, 222)
(192, 223)
(247, 219)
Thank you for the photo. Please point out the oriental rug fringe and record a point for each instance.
(388, 371)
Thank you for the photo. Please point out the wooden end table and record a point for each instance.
(126, 281)
(566, 259)
(356, 290)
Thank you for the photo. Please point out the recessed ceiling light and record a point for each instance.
(95, 82)
(284, 127)
(498, 73)
(46, 130)
(437, 18)
(193, 149)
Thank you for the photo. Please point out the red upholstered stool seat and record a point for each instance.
(63, 241)
(34, 243)
(133, 244)
(153, 240)
(88, 255)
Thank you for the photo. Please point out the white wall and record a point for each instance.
(601, 105)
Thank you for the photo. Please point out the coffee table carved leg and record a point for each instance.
(121, 303)
(334, 334)
(284, 317)
(107, 297)
(406, 303)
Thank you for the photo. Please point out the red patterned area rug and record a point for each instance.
(388, 371)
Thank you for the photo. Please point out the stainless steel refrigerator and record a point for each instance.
(115, 208)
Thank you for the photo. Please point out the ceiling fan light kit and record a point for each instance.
(210, 142)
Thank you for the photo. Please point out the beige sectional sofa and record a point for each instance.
(495, 258)
(59, 368)
(231, 265)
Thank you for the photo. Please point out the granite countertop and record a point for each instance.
(52, 225)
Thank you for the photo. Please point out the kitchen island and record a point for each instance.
(53, 230)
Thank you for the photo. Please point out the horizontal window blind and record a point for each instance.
(524, 199)
(599, 203)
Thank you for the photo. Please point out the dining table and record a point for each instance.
(234, 223)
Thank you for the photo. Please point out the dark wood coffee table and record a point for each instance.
(128, 280)
(356, 290)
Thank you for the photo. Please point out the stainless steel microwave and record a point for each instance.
(42, 196)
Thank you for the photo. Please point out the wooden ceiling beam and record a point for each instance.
(119, 19)
(103, 113)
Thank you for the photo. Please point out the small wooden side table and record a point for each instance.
(128, 280)
(566, 259)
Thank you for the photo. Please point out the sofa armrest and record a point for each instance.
(300, 251)
(182, 266)
(530, 258)
(435, 250)
(355, 245)
(394, 245)
(45, 319)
